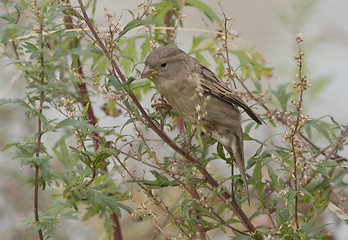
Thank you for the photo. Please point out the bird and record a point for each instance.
(199, 95)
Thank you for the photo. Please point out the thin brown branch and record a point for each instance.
(339, 143)
(38, 147)
(297, 123)
(225, 46)
(157, 201)
(225, 195)
(85, 101)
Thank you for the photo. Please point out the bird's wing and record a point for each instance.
(214, 86)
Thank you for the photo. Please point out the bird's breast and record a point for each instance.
(181, 94)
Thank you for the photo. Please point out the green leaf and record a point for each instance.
(257, 84)
(146, 48)
(83, 125)
(130, 56)
(340, 213)
(161, 10)
(282, 96)
(329, 163)
(208, 11)
(308, 130)
(200, 58)
(91, 211)
(220, 151)
(136, 23)
(63, 155)
(31, 48)
(198, 135)
(101, 155)
(274, 177)
(16, 101)
(281, 215)
(232, 221)
(321, 126)
(242, 237)
(196, 41)
(160, 182)
(249, 127)
(257, 179)
(114, 81)
(220, 68)
(311, 226)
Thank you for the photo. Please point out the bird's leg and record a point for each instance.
(162, 104)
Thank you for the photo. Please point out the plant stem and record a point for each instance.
(85, 101)
(297, 124)
(224, 195)
(42, 76)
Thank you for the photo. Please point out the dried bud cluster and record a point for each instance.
(299, 37)
(69, 106)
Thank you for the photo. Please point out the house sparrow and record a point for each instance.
(198, 95)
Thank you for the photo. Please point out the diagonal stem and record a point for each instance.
(38, 146)
(224, 195)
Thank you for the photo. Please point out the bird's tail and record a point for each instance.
(236, 146)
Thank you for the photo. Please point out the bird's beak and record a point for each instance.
(148, 72)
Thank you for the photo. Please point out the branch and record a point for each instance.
(38, 146)
(85, 101)
(225, 195)
(294, 144)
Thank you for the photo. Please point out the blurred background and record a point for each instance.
(269, 25)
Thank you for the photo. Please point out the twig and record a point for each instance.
(38, 147)
(299, 38)
(225, 46)
(225, 195)
(85, 101)
(157, 201)
(340, 141)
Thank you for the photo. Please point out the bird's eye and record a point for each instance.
(163, 64)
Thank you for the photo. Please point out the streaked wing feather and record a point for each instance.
(214, 86)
